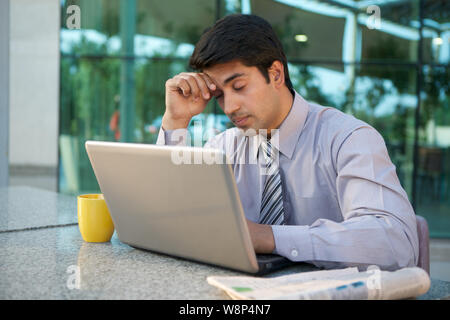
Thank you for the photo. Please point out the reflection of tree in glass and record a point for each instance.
(189, 33)
(286, 32)
(88, 88)
(435, 102)
(309, 86)
(370, 100)
(392, 126)
(386, 48)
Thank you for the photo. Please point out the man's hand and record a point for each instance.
(262, 237)
(187, 95)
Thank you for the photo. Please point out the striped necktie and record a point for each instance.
(272, 211)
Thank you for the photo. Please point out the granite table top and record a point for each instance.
(41, 250)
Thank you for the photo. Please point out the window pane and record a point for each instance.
(433, 167)
(344, 31)
(395, 37)
(170, 19)
(100, 27)
(436, 46)
(151, 24)
(89, 99)
(305, 32)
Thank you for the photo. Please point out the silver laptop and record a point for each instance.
(191, 211)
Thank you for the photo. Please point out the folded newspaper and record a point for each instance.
(341, 284)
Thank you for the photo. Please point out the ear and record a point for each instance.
(276, 73)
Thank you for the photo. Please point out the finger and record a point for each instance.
(215, 91)
(183, 85)
(203, 85)
(175, 84)
(209, 82)
(193, 86)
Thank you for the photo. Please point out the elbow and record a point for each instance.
(404, 249)
(400, 259)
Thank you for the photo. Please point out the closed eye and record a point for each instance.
(220, 96)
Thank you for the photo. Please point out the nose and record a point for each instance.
(230, 105)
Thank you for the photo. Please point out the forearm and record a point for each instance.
(360, 241)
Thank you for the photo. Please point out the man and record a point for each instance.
(332, 198)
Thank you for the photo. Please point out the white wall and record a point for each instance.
(4, 92)
(34, 82)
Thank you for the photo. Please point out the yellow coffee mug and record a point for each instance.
(94, 220)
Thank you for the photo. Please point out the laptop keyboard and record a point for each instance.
(267, 257)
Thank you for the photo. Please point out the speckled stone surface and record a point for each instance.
(26, 207)
(35, 264)
(38, 262)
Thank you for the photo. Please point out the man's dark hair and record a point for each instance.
(247, 38)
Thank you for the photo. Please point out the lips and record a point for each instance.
(240, 120)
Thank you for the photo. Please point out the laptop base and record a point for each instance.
(271, 262)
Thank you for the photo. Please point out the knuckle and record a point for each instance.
(169, 82)
(202, 81)
(181, 82)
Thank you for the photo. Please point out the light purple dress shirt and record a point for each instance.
(344, 205)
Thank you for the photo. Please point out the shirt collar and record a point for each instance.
(286, 137)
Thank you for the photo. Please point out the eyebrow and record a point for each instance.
(234, 76)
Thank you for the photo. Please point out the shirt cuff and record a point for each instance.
(177, 137)
(293, 242)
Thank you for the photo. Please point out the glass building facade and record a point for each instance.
(384, 61)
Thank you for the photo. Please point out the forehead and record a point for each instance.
(223, 71)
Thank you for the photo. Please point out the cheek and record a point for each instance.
(268, 111)
(220, 103)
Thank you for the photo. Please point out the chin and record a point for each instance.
(247, 130)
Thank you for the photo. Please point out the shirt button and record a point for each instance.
(294, 253)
